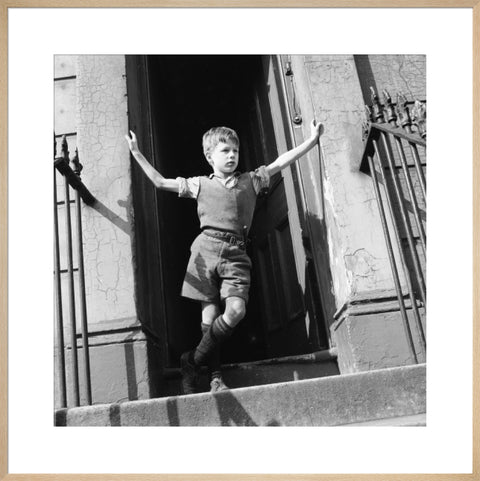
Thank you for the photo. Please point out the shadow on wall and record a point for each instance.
(132, 387)
(103, 210)
(154, 351)
(365, 73)
(319, 271)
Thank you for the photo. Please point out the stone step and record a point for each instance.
(328, 401)
(415, 420)
(267, 371)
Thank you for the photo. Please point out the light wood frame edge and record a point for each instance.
(4, 6)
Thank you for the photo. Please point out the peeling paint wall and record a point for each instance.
(91, 109)
(333, 90)
(101, 116)
(357, 252)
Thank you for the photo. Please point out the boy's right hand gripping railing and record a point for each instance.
(71, 179)
(398, 177)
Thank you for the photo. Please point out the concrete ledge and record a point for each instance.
(376, 340)
(121, 370)
(327, 401)
(415, 420)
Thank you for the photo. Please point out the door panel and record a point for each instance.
(283, 298)
(303, 186)
(274, 266)
(275, 274)
(292, 300)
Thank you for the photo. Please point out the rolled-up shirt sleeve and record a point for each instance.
(260, 179)
(188, 188)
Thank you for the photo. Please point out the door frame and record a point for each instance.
(149, 271)
(154, 317)
(307, 263)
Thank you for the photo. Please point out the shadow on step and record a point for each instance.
(269, 371)
(230, 412)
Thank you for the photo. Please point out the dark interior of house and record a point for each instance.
(189, 95)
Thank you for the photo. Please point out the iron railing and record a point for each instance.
(71, 180)
(395, 158)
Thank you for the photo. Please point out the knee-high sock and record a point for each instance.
(213, 362)
(218, 332)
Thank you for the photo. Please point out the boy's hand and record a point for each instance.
(316, 129)
(132, 142)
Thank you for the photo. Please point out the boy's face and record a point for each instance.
(224, 158)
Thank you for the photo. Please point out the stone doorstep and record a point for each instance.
(326, 355)
(266, 371)
(384, 394)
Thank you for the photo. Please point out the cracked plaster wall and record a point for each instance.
(102, 122)
(334, 89)
(120, 373)
(358, 256)
(396, 73)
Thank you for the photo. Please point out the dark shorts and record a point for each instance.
(216, 270)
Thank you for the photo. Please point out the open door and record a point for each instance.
(276, 249)
(187, 96)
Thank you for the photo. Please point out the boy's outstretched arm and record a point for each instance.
(291, 156)
(158, 180)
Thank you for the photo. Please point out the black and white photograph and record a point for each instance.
(240, 240)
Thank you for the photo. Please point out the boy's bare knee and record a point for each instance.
(210, 311)
(234, 310)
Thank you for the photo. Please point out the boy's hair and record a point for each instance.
(216, 135)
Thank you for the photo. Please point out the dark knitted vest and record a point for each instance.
(226, 209)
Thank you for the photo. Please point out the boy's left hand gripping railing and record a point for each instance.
(71, 179)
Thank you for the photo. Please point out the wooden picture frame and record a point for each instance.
(474, 5)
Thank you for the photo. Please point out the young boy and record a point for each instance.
(218, 272)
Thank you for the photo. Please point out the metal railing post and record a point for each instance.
(406, 124)
(58, 301)
(400, 250)
(413, 200)
(81, 280)
(392, 260)
(71, 284)
(72, 179)
(404, 218)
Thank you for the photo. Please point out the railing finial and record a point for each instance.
(403, 112)
(72, 176)
(77, 166)
(419, 118)
(367, 122)
(377, 108)
(390, 110)
(65, 153)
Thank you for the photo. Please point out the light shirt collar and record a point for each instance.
(230, 181)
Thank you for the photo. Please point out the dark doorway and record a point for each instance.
(187, 96)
